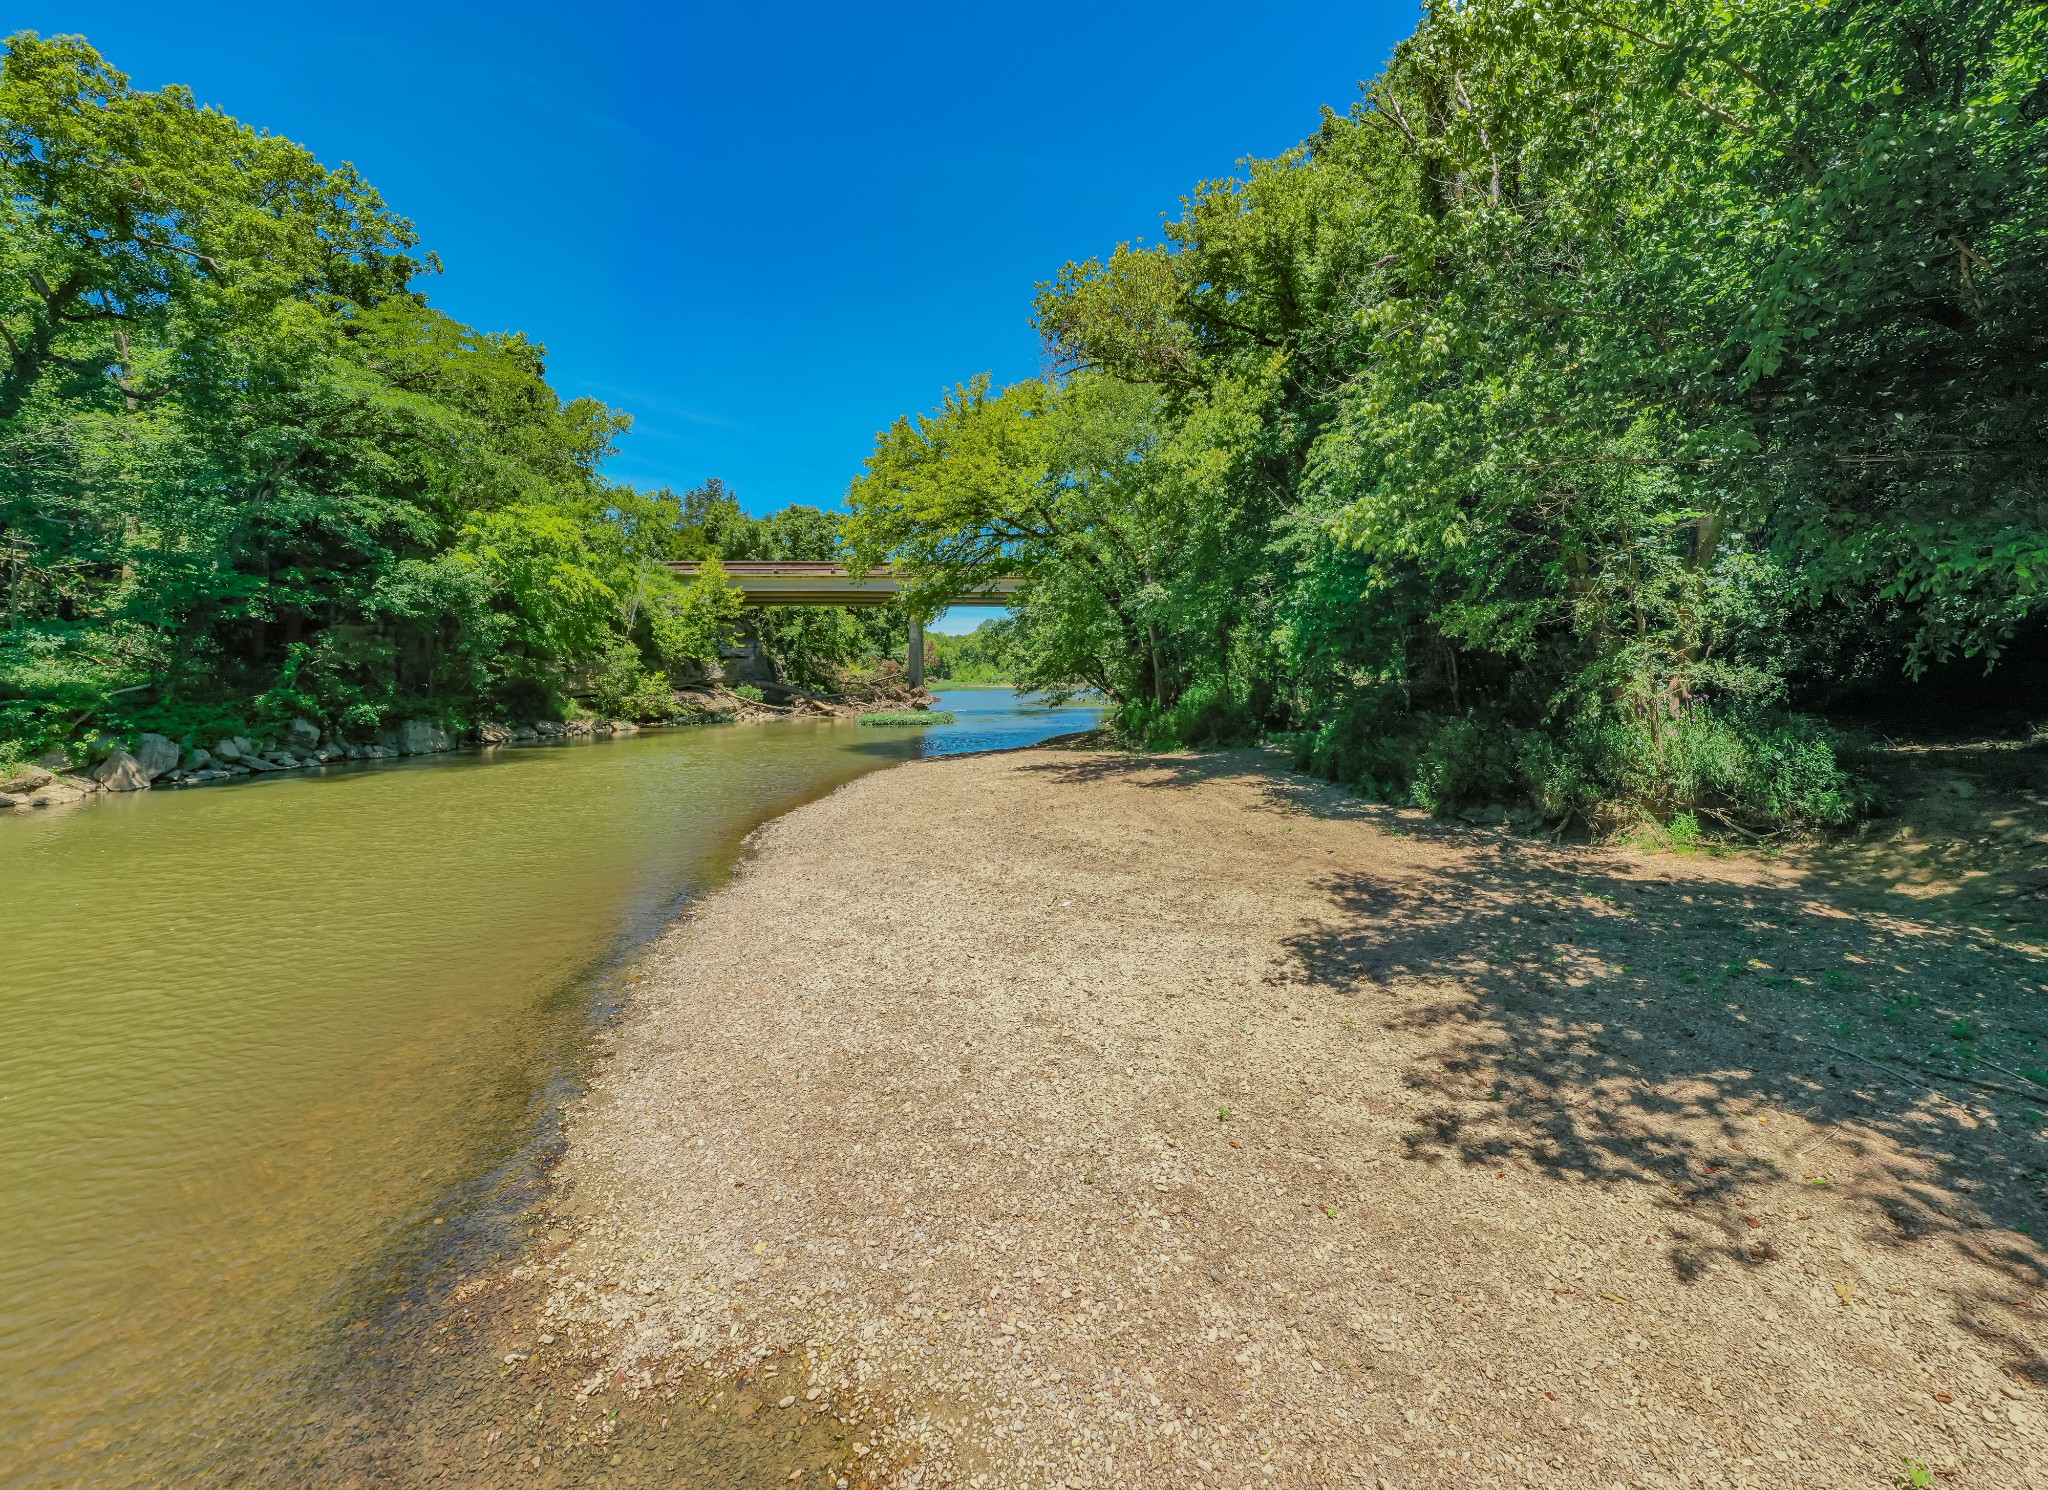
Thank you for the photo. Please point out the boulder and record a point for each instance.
(423, 737)
(305, 736)
(156, 755)
(247, 746)
(54, 759)
(24, 780)
(228, 750)
(197, 760)
(57, 791)
(121, 772)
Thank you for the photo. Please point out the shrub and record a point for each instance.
(909, 716)
(750, 693)
(1209, 713)
(621, 688)
(1364, 745)
(1749, 769)
(1467, 761)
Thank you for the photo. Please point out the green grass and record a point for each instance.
(909, 716)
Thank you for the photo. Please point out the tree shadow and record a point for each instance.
(1606, 1020)
(1611, 1019)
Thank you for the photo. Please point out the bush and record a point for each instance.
(1752, 770)
(621, 688)
(750, 693)
(1747, 769)
(1363, 745)
(1209, 713)
(1467, 762)
(909, 716)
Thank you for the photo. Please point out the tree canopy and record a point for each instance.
(1608, 383)
(248, 472)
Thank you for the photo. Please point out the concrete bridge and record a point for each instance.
(800, 582)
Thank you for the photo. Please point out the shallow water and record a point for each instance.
(264, 1047)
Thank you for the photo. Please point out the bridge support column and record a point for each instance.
(914, 656)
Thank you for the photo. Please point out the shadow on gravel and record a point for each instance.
(1606, 1019)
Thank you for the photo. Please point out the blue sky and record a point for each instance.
(764, 232)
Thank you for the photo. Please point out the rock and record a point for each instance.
(57, 791)
(423, 737)
(1490, 815)
(246, 746)
(155, 755)
(493, 734)
(121, 772)
(25, 780)
(254, 762)
(228, 750)
(305, 736)
(624, 727)
(198, 760)
(53, 760)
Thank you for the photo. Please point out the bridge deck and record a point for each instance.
(779, 582)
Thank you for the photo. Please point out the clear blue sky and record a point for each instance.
(763, 232)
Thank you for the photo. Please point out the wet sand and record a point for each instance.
(1065, 1118)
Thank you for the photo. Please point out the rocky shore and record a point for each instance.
(1181, 1121)
(155, 761)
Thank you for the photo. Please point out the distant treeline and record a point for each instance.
(247, 472)
(982, 655)
(1610, 389)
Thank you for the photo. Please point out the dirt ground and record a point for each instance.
(1069, 1118)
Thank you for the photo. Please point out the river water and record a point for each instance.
(269, 1050)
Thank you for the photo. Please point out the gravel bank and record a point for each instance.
(1074, 1119)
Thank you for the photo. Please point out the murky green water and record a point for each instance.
(257, 1040)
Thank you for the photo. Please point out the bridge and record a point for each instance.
(800, 582)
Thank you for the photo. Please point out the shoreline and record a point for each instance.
(1243, 1145)
(159, 764)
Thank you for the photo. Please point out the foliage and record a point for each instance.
(983, 655)
(247, 472)
(909, 716)
(1539, 428)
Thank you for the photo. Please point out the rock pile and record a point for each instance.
(157, 761)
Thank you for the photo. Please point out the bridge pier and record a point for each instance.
(914, 657)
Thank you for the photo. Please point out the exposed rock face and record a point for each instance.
(423, 737)
(155, 755)
(305, 736)
(121, 772)
(49, 791)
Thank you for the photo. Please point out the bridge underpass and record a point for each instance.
(796, 582)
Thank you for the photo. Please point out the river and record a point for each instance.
(272, 1052)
